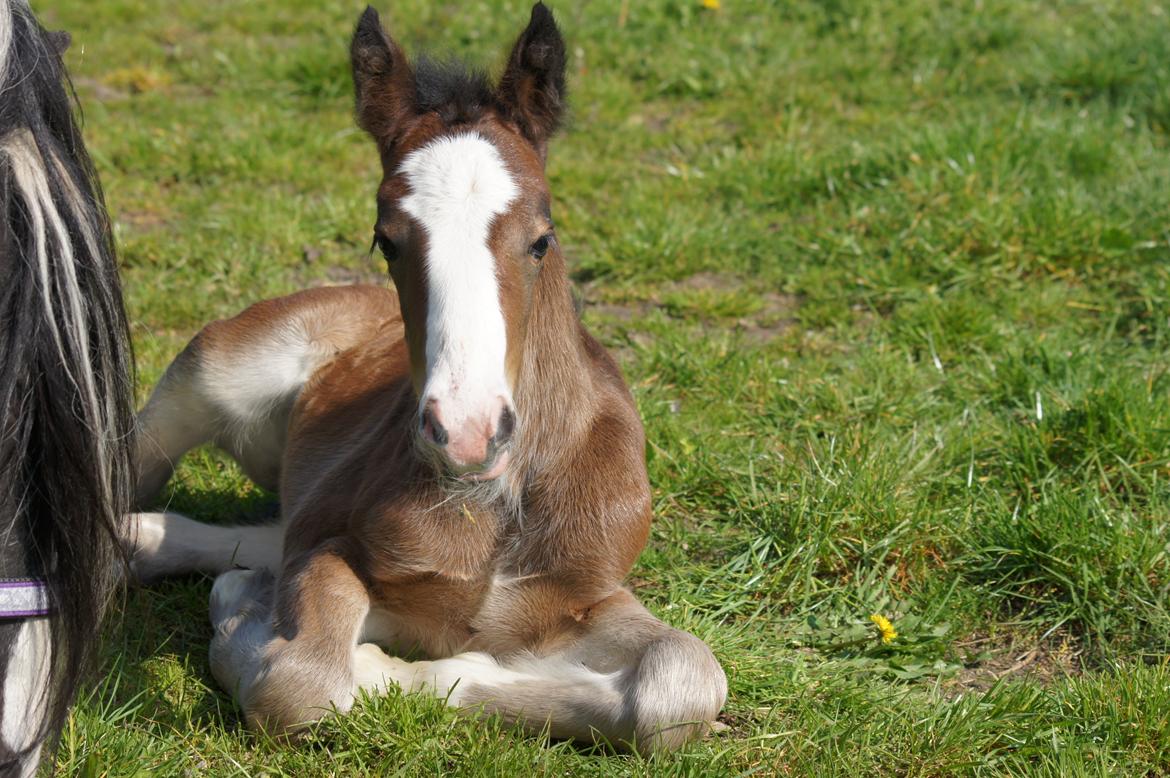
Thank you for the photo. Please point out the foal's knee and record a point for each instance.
(293, 688)
(679, 691)
(281, 685)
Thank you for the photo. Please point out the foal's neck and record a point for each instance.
(555, 395)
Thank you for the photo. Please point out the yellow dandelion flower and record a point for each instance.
(712, 4)
(884, 627)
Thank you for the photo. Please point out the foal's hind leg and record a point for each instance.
(170, 544)
(233, 386)
(236, 382)
(176, 419)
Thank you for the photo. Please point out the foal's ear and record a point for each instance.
(532, 89)
(382, 79)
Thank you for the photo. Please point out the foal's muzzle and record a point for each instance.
(475, 447)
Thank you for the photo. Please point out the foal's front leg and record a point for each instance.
(291, 656)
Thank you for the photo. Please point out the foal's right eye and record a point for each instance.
(387, 247)
(540, 247)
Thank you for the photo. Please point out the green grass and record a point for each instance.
(890, 282)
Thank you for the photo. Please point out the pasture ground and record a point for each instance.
(890, 282)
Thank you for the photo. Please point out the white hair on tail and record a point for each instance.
(65, 306)
(6, 31)
(23, 683)
(66, 368)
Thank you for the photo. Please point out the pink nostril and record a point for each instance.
(505, 427)
(475, 441)
(432, 428)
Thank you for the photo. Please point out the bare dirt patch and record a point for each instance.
(320, 266)
(772, 320)
(1052, 659)
(141, 220)
(621, 311)
(712, 299)
(100, 90)
(340, 275)
(706, 281)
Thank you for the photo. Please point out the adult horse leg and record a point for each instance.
(25, 661)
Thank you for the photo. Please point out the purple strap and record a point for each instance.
(21, 599)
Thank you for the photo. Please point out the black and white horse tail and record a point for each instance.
(65, 394)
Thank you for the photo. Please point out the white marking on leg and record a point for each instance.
(375, 671)
(458, 185)
(249, 385)
(239, 609)
(171, 544)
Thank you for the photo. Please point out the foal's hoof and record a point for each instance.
(142, 537)
(240, 615)
(239, 593)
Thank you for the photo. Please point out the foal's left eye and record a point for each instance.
(387, 247)
(540, 247)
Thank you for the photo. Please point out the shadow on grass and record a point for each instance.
(154, 655)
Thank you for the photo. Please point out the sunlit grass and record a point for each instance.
(889, 282)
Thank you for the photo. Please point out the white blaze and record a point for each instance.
(458, 185)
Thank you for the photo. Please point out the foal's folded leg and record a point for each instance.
(626, 678)
(290, 657)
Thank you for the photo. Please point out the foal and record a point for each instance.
(460, 465)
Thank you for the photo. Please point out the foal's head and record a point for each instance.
(464, 224)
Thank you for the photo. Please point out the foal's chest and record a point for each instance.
(470, 581)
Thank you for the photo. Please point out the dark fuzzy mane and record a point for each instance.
(457, 92)
(529, 95)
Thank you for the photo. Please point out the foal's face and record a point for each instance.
(464, 224)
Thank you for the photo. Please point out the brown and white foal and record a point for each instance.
(460, 465)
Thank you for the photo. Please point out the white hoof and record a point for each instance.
(144, 539)
(237, 592)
